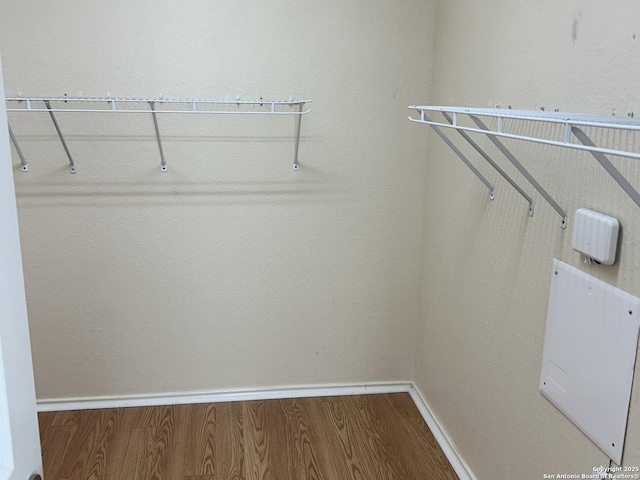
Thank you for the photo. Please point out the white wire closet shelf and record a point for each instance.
(572, 125)
(153, 107)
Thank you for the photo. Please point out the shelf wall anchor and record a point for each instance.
(484, 155)
(461, 156)
(23, 161)
(522, 170)
(72, 165)
(608, 166)
(163, 163)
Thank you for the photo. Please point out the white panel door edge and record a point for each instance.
(20, 456)
(589, 354)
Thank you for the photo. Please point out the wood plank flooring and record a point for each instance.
(366, 437)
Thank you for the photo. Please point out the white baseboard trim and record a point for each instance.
(89, 403)
(448, 447)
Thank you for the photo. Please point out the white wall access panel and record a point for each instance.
(589, 354)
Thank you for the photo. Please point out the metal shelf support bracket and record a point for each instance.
(23, 161)
(296, 165)
(163, 163)
(484, 155)
(72, 165)
(608, 166)
(461, 156)
(522, 170)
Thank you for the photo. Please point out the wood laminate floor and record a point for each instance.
(366, 437)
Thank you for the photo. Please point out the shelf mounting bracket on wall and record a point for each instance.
(484, 155)
(522, 170)
(608, 166)
(296, 166)
(461, 156)
(23, 161)
(163, 163)
(72, 165)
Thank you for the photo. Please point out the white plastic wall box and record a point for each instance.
(596, 235)
(589, 354)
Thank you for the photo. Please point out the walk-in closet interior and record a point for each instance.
(354, 240)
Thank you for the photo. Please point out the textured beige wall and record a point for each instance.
(231, 270)
(486, 266)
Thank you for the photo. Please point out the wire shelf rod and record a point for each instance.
(578, 119)
(227, 101)
(116, 105)
(555, 143)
